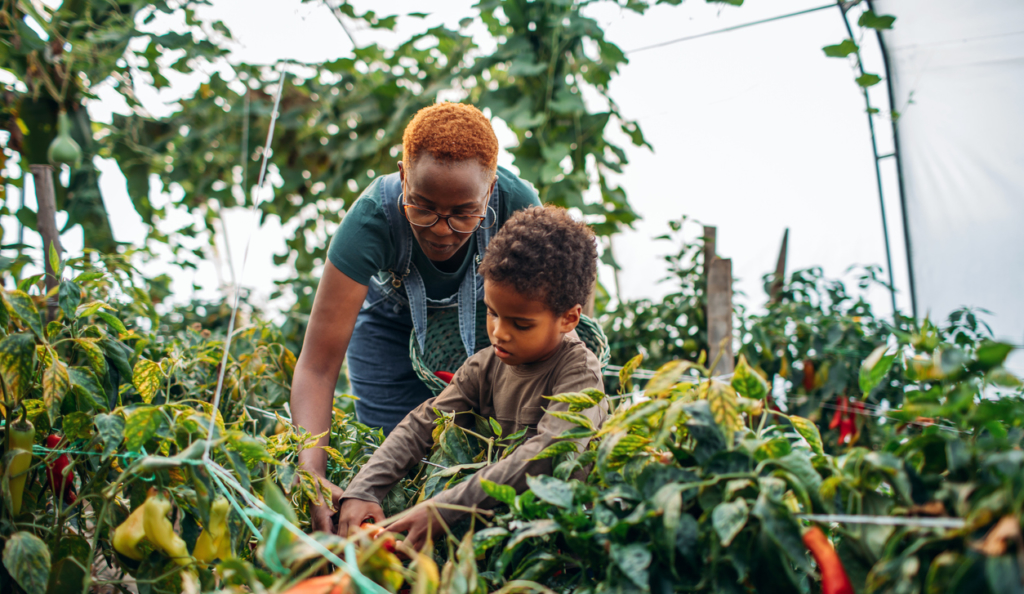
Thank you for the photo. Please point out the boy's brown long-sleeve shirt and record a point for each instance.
(512, 395)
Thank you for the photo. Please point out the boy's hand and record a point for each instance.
(354, 512)
(322, 514)
(421, 520)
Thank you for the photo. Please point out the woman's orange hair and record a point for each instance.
(450, 132)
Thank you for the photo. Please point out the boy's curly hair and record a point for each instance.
(544, 253)
(450, 132)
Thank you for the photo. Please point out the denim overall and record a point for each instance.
(396, 304)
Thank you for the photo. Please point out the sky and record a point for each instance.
(753, 131)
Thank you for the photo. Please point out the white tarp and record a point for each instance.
(957, 70)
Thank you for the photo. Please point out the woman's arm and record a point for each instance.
(337, 303)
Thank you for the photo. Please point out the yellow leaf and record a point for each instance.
(56, 383)
(94, 354)
(146, 378)
(721, 399)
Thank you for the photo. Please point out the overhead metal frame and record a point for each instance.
(844, 7)
(896, 154)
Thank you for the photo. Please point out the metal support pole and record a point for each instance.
(878, 170)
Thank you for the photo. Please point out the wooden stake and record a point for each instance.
(46, 221)
(780, 270)
(710, 233)
(720, 315)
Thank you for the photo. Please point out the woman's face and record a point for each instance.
(460, 188)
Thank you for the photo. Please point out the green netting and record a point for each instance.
(445, 351)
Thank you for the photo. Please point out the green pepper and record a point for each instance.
(22, 436)
(160, 531)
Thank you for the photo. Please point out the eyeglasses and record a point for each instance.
(423, 217)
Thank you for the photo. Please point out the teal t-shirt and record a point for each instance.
(362, 246)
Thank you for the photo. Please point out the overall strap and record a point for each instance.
(390, 194)
(403, 273)
(472, 287)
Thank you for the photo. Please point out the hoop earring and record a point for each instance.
(494, 219)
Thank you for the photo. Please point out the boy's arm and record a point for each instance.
(514, 469)
(410, 440)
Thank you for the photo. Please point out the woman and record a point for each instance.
(411, 242)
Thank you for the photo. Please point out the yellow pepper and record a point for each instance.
(22, 436)
(160, 531)
(215, 540)
(129, 534)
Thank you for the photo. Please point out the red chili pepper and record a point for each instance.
(809, 376)
(445, 376)
(374, 531)
(845, 418)
(833, 576)
(55, 473)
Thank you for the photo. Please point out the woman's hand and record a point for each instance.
(421, 521)
(322, 515)
(356, 511)
(335, 308)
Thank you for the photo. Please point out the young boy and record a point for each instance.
(538, 271)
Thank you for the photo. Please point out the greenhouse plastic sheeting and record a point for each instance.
(957, 73)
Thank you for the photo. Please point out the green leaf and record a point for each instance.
(773, 448)
(747, 382)
(503, 493)
(495, 427)
(17, 363)
(577, 433)
(251, 449)
(54, 259)
(722, 402)
(551, 490)
(28, 561)
(729, 518)
(665, 377)
(488, 537)
(571, 417)
(875, 368)
(868, 80)
(25, 310)
(85, 380)
(556, 449)
(526, 67)
(455, 444)
(874, 21)
(809, 431)
(87, 309)
(69, 295)
(1003, 574)
(146, 377)
(841, 50)
(627, 371)
(111, 432)
(143, 424)
(78, 425)
(115, 323)
(780, 526)
(633, 559)
(992, 354)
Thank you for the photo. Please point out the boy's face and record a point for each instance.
(522, 329)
